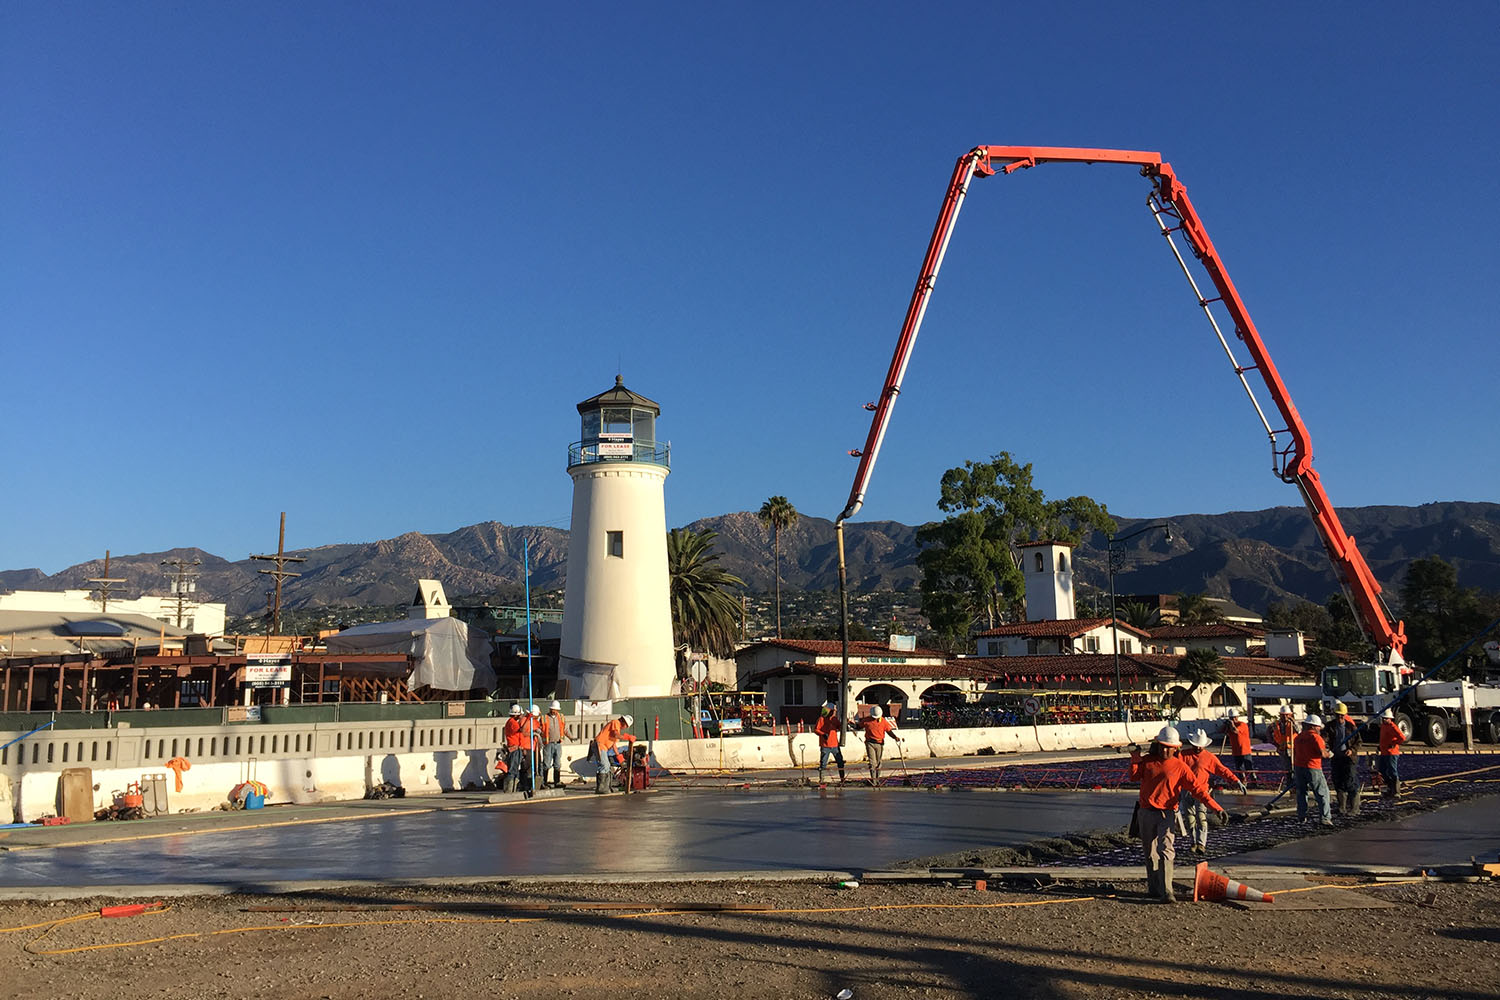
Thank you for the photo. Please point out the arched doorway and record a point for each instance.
(889, 697)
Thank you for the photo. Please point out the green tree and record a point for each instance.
(1139, 614)
(1199, 666)
(1440, 615)
(1197, 609)
(705, 614)
(969, 570)
(777, 513)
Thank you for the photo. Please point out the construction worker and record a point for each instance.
(1238, 733)
(604, 744)
(517, 747)
(552, 740)
(1163, 777)
(1205, 765)
(1344, 743)
(1308, 751)
(827, 728)
(1282, 732)
(1389, 757)
(877, 728)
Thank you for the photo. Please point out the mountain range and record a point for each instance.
(1251, 557)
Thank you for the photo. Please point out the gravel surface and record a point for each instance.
(1090, 941)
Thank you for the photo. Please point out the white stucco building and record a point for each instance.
(617, 620)
(199, 619)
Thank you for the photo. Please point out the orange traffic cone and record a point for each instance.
(1212, 886)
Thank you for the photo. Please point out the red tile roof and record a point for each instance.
(1064, 628)
(1236, 668)
(1218, 630)
(1094, 666)
(866, 671)
(834, 647)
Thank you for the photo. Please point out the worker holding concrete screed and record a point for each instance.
(1344, 742)
(827, 729)
(1205, 765)
(876, 728)
(604, 745)
(1308, 751)
(1163, 777)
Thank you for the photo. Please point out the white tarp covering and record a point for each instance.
(449, 656)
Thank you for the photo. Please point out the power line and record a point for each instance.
(184, 582)
(106, 584)
(278, 574)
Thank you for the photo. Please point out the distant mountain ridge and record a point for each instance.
(1252, 557)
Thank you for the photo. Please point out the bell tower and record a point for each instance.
(617, 619)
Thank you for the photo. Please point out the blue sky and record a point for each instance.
(358, 262)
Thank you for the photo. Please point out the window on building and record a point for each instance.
(1127, 645)
(1038, 562)
(997, 648)
(1033, 647)
(1091, 644)
(791, 691)
(617, 544)
(1062, 562)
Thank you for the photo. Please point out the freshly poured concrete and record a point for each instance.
(1447, 836)
(662, 832)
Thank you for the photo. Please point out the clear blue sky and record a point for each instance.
(358, 261)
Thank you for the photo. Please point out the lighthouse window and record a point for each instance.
(617, 544)
(616, 421)
(591, 425)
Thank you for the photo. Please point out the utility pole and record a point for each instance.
(184, 582)
(278, 574)
(106, 584)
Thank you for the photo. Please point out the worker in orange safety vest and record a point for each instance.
(1282, 732)
(876, 728)
(554, 729)
(613, 732)
(1163, 777)
(827, 730)
(1205, 765)
(517, 734)
(1388, 759)
(1237, 731)
(1308, 751)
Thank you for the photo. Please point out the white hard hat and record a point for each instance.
(629, 719)
(1168, 737)
(875, 712)
(515, 710)
(1233, 713)
(826, 704)
(555, 704)
(1286, 710)
(1313, 722)
(535, 710)
(1199, 739)
(1387, 714)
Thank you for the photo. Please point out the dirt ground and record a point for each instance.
(1091, 941)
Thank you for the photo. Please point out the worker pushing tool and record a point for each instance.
(877, 727)
(1205, 766)
(613, 733)
(1163, 777)
(827, 729)
(1308, 751)
(1238, 732)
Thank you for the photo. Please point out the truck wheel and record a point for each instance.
(1434, 730)
(1488, 731)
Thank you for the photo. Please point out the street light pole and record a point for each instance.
(1115, 554)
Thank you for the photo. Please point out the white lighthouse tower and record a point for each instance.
(617, 619)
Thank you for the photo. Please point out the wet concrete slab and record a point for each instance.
(661, 832)
(1449, 835)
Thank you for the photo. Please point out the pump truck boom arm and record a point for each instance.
(1291, 448)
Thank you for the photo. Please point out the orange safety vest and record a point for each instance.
(1239, 738)
(1164, 779)
(1205, 764)
(827, 728)
(1307, 750)
(518, 733)
(1390, 738)
(612, 733)
(555, 725)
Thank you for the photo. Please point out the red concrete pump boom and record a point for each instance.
(1291, 449)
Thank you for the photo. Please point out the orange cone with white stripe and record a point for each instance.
(1214, 887)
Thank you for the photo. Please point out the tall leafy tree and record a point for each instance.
(1440, 615)
(969, 569)
(1199, 666)
(778, 514)
(705, 614)
(1140, 615)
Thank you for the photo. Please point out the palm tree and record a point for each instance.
(1199, 666)
(704, 613)
(778, 513)
(1196, 609)
(1140, 615)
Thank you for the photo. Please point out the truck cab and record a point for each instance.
(1365, 688)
